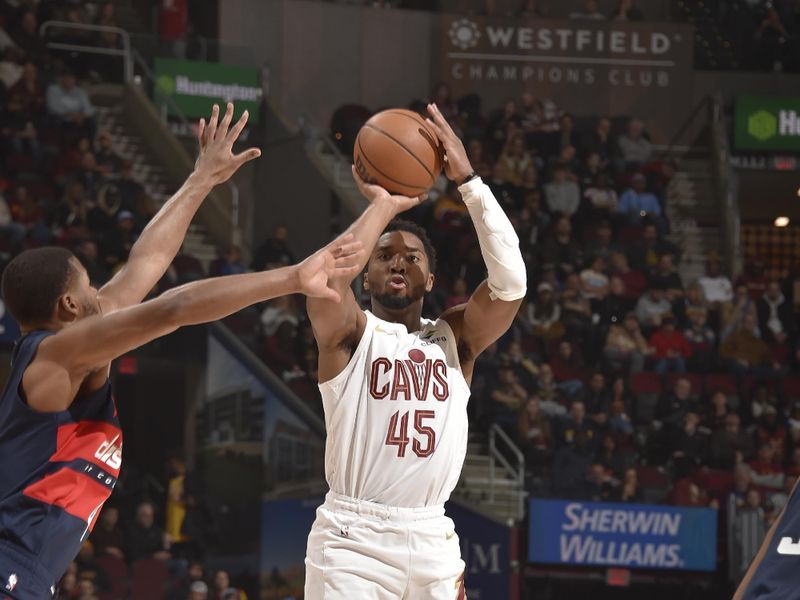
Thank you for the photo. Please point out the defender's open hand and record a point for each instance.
(340, 258)
(217, 160)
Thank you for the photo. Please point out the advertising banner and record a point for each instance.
(634, 536)
(486, 550)
(195, 86)
(586, 67)
(767, 123)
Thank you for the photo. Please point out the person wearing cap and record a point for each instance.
(561, 249)
(198, 591)
(670, 347)
(626, 347)
(544, 314)
(716, 285)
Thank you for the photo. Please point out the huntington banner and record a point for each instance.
(195, 86)
(586, 67)
(632, 536)
(767, 123)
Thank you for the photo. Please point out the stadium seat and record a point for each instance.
(149, 579)
(117, 572)
(647, 389)
(790, 388)
(654, 483)
(722, 382)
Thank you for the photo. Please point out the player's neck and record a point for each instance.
(411, 316)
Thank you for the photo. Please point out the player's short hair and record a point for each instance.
(413, 228)
(34, 280)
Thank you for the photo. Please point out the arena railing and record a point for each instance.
(130, 58)
(498, 455)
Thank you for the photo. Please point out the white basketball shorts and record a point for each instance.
(369, 551)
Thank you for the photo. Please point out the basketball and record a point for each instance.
(399, 151)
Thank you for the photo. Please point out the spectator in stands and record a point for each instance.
(524, 366)
(629, 490)
(761, 398)
(478, 159)
(576, 311)
(644, 254)
(594, 281)
(182, 588)
(458, 293)
(228, 262)
(626, 10)
(588, 170)
(674, 406)
(626, 347)
(568, 369)
(702, 341)
(730, 443)
(544, 314)
(515, 160)
(588, 11)
(688, 444)
(566, 138)
(26, 36)
(565, 157)
(198, 590)
(634, 147)
(11, 232)
(105, 155)
(636, 203)
(651, 308)
(753, 278)
(603, 243)
(576, 425)
(563, 195)
(634, 280)
(779, 499)
(691, 303)
(26, 98)
(671, 350)
(107, 537)
(765, 471)
(600, 484)
(599, 141)
(69, 104)
(717, 288)
(132, 194)
(548, 392)
(223, 589)
(793, 424)
(26, 211)
(596, 397)
(601, 196)
(10, 68)
(508, 396)
(733, 312)
(145, 538)
(274, 251)
(117, 243)
(666, 276)
(775, 318)
(90, 175)
(770, 430)
(561, 249)
(718, 409)
(745, 351)
(534, 433)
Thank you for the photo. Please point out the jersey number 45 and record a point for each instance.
(423, 445)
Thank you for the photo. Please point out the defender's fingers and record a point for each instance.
(226, 120)
(212, 122)
(201, 130)
(247, 155)
(233, 135)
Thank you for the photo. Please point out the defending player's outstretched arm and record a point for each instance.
(492, 307)
(338, 326)
(160, 241)
(65, 359)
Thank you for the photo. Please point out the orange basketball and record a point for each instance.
(399, 151)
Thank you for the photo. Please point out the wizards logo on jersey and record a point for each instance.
(85, 467)
(413, 378)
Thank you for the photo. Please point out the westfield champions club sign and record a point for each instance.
(585, 66)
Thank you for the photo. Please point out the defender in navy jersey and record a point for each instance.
(60, 438)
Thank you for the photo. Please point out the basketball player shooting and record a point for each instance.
(60, 438)
(395, 388)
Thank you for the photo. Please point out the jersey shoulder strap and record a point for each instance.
(440, 333)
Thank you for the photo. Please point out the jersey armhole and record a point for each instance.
(366, 337)
(452, 343)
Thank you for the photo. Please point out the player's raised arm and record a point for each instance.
(64, 360)
(493, 306)
(160, 241)
(339, 325)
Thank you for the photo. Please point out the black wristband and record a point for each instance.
(468, 178)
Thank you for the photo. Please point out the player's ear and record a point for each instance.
(67, 307)
(365, 282)
(429, 283)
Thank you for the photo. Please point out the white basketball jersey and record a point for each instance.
(396, 416)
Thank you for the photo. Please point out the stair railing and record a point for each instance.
(517, 473)
(131, 57)
(124, 52)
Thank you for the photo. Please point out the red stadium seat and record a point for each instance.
(644, 383)
(721, 382)
(149, 579)
(790, 388)
(118, 575)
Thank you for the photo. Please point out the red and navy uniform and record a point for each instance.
(56, 471)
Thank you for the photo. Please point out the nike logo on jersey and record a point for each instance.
(109, 453)
(788, 547)
(12, 582)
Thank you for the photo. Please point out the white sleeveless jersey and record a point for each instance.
(396, 416)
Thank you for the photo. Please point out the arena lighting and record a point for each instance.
(781, 221)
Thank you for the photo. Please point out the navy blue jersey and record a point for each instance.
(56, 471)
(775, 569)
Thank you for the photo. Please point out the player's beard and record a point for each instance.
(393, 302)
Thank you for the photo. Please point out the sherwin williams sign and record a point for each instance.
(767, 123)
(195, 86)
(634, 536)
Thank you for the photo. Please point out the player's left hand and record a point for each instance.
(216, 159)
(340, 258)
(456, 164)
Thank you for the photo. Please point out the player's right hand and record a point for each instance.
(216, 159)
(376, 194)
(341, 258)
